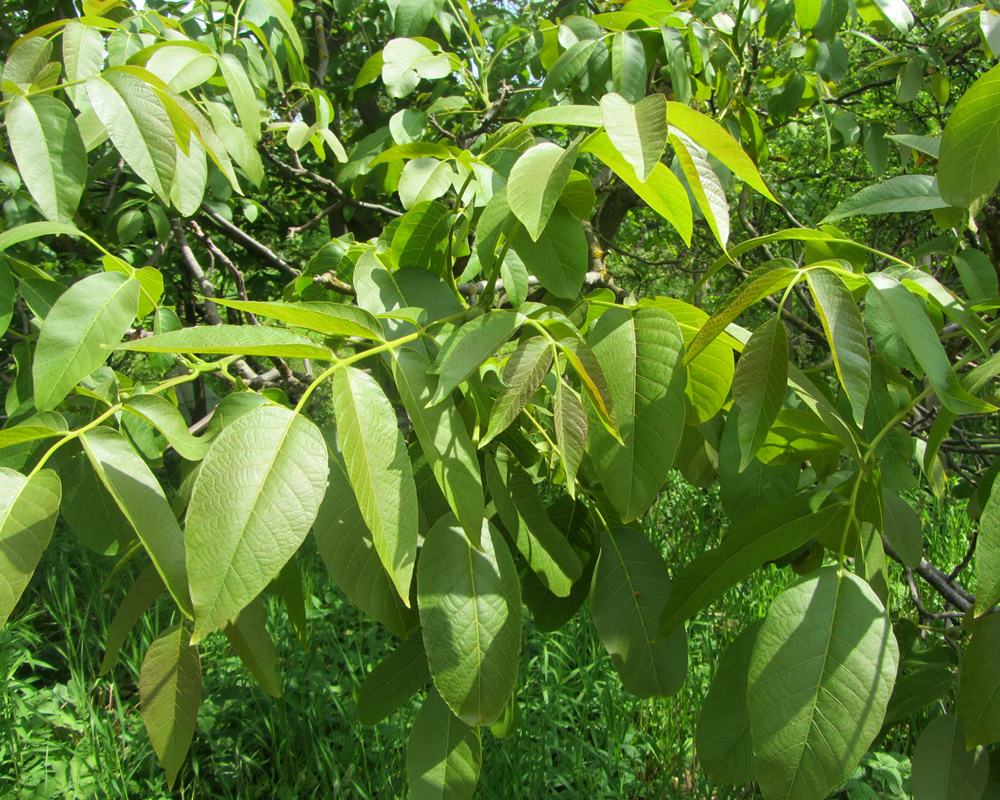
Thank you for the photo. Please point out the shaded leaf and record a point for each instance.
(393, 681)
(759, 385)
(942, 767)
(443, 754)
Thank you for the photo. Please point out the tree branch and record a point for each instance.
(245, 240)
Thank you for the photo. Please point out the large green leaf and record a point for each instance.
(639, 131)
(901, 526)
(138, 126)
(628, 67)
(348, 550)
(137, 601)
(469, 346)
(558, 256)
(988, 553)
(821, 675)
(169, 697)
(917, 690)
(422, 237)
(443, 439)
(470, 610)
(443, 754)
(141, 499)
(845, 332)
(83, 55)
(380, 472)
(91, 511)
(759, 385)
(406, 61)
(761, 536)
(943, 769)
(969, 163)
(243, 93)
(393, 682)
(896, 195)
(92, 314)
(725, 748)
(50, 154)
(246, 340)
(247, 633)
(523, 373)
(640, 352)
(28, 511)
(662, 190)
(256, 496)
(979, 684)
(333, 319)
(536, 182)
(627, 597)
(705, 186)
(165, 417)
(569, 418)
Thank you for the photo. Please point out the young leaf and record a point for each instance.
(332, 319)
(943, 769)
(469, 346)
(256, 496)
(92, 314)
(247, 633)
(422, 237)
(443, 754)
(524, 372)
(979, 684)
(28, 511)
(140, 497)
(969, 163)
(627, 597)
(536, 181)
(723, 733)
(470, 610)
(845, 332)
(243, 93)
(705, 185)
(443, 439)
(50, 154)
(894, 196)
(137, 601)
(380, 471)
(348, 550)
(759, 385)
(164, 416)
(821, 674)
(393, 681)
(246, 340)
(558, 256)
(169, 697)
(639, 131)
(640, 353)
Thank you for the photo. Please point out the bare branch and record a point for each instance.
(244, 239)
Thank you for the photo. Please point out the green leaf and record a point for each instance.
(898, 13)
(406, 61)
(821, 674)
(759, 385)
(83, 55)
(763, 535)
(758, 483)
(470, 610)
(943, 769)
(545, 548)
(380, 471)
(247, 633)
(243, 93)
(569, 65)
(975, 269)
(969, 163)
(661, 190)
(6, 297)
(395, 679)
(570, 423)
(705, 185)
(190, 179)
(92, 314)
(422, 236)
(916, 330)
(526, 367)
(708, 134)
(627, 597)
(137, 601)
(164, 416)
(583, 116)
(640, 352)
(348, 550)
(628, 67)
(28, 511)
(845, 332)
(443, 439)
(639, 131)
(558, 256)
(807, 13)
(988, 553)
(468, 347)
(725, 749)
(236, 143)
(169, 697)
(138, 126)
(897, 195)
(902, 529)
(26, 59)
(536, 182)
(332, 319)
(443, 754)
(979, 685)
(256, 496)
(90, 510)
(246, 340)
(141, 499)
(916, 691)
(50, 154)
(585, 364)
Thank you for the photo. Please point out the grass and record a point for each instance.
(73, 734)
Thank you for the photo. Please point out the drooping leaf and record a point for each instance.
(243, 93)
(558, 256)
(902, 528)
(759, 385)
(469, 346)
(570, 422)
(627, 597)
(393, 681)
(628, 67)
(92, 314)
(380, 472)
(969, 163)
(248, 635)
(140, 597)
(50, 154)
(256, 496)
(725, 749)
(164, 416)
(943, 769)
(28, 511)
(422, 235)
(918, 690)
(443, 439)
(91, 511)
(595, 384)
(170, 695)
(333, 319)
(470, 611)
(536, 182)
(705, 185)
(640, 352)
(979, 684)
(639, 131)
(896, 195)
(845, 332)
(246, 340)
(821, 674)
(526, 367)
(443, 754)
